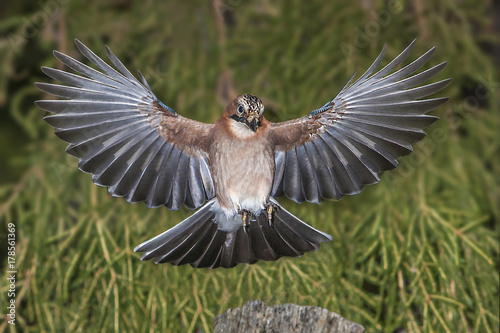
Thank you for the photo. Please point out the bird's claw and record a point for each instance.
(270, 208)
(246, 217)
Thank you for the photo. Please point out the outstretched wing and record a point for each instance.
(347, 143)
(125, 137)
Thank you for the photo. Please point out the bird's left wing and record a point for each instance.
(125, 137)
(347, 143)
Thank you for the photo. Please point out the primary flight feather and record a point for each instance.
(234, 169)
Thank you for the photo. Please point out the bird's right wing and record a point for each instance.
(125, 137)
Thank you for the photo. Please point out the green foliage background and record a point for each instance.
(417, 253)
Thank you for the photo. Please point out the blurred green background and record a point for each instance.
(417, 253)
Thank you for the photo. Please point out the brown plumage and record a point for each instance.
(143, 150)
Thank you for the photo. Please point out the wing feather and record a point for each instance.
(309, 182)
(122, 133)
(292, 186)
(347, 143)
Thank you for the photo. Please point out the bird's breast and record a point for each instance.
(242, 172)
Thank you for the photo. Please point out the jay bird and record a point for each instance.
(232, 170)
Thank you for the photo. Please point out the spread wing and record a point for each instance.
(125, 137)
(347, 143)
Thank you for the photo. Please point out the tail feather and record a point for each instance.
(199, 248)
(170, 240)
(294, 240)
(243, 251)
(211, 257)
(278, 242)
(198, 241)
(259, 242)
(305, 231)
(186, 247)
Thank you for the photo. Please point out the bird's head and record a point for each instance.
(247, 109)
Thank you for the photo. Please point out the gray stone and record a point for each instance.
(256, 316)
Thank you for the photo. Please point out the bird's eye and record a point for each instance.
(241, 109)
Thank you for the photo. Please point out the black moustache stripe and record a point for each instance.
(237, 118)
(243, 120)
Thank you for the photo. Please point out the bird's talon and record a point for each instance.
(270, 209)
(246, 216)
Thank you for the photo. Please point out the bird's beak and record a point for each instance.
(253, 122)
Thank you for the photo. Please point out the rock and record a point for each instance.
(256, 316)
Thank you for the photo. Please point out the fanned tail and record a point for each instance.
(198, 241)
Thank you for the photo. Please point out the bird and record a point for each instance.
(231, 171)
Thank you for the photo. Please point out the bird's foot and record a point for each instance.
(270, 209)
(247, 217)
